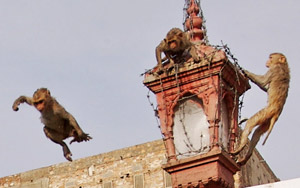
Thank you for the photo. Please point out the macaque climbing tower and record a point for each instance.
(197, 104)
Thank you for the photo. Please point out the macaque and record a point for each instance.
(276, 83)
(59, 124)
(175, 43)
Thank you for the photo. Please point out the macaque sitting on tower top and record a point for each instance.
(59, 124)
(276, 83)
(175, 43)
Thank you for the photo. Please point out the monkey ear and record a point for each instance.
(282, 59)
(48, 92)
(180, 34)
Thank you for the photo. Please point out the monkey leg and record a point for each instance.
(80, 138)
(251, 123)
(256, 119)
(254, 140)
(58, 139)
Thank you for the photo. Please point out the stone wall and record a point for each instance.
(257, 171)
(138, 166)
(133, 167)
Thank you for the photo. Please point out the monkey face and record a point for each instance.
(39, 105)
(271, 60)
(172, 44)
(268, 63)
(275, 58)
(40, 98)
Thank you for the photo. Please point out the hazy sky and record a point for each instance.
(90, 54)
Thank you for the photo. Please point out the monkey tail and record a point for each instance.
(242, 121)
(266, 137)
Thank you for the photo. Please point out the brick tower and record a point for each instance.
(197, 104)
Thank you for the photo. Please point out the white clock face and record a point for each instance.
(191, 133)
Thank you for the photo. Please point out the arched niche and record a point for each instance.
(191, 128)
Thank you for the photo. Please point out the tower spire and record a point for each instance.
(193, 22)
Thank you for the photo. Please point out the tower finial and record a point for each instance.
(193, 23)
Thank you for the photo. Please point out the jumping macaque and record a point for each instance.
(175, 43)
(59, 124)
(276, 83)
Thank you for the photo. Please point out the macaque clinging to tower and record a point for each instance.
(276, 83)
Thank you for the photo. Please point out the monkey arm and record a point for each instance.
(158, 50)
(261, 81)
(20, 100)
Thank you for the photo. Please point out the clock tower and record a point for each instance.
(197, 104)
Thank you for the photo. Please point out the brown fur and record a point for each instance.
(276, 83)
(59, 124)
(175, 43)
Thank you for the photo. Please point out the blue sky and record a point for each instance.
(90, 54)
